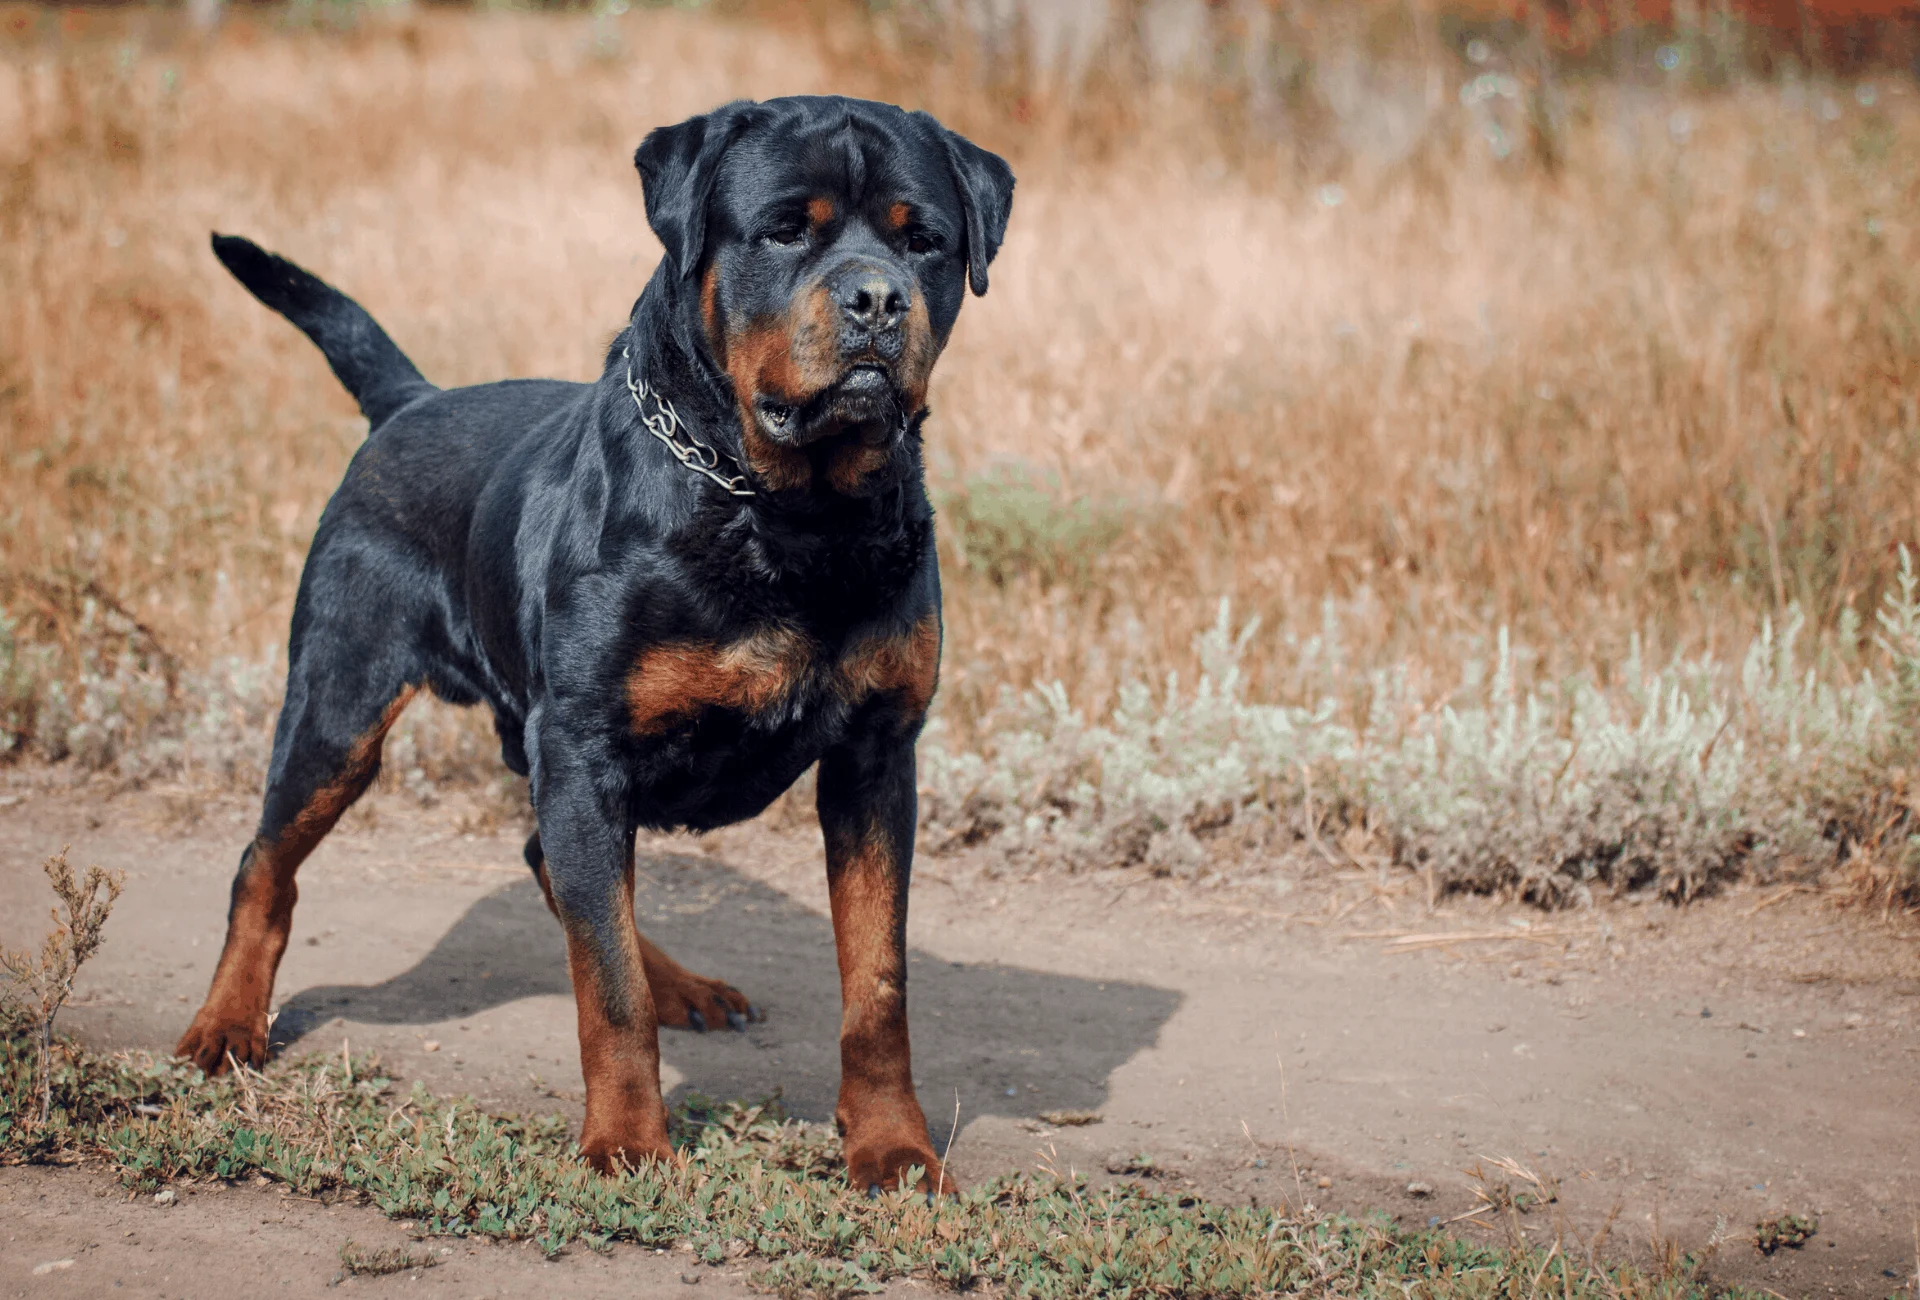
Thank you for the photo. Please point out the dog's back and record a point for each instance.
(419, 476)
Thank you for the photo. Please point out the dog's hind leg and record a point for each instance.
(326, 752)
(681, 999)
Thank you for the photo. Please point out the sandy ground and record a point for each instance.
(69, 1233)
(1292, 1037)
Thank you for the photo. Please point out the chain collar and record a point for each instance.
(666, 425)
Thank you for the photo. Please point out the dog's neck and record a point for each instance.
(779, 535)
(665, 346)
(661, 347)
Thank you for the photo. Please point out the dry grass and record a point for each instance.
(1333, 335)
(37, 985)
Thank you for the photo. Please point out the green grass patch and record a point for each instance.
(1009, 521)
(753, 1185)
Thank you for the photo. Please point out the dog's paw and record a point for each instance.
(214, 1037)
(880, 1165)
(683, 1000)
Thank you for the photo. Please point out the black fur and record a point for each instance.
(526, 543)
(523, 542)
(376, 372)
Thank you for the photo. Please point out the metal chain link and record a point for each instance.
(665, 424)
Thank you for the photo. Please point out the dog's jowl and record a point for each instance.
(676, 587)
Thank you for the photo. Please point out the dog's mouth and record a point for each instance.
(863, 406)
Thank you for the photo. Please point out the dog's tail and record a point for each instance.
(369, 363)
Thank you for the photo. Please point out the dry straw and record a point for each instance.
(1554, 425)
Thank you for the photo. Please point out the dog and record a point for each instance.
(677, 587)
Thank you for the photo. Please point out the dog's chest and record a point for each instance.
(776, 679)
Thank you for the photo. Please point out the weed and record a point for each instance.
(370, 1261)
(1677, 778)
(1790, 1230)
(1495, 1193)
(804, 1277)
(39, 985)
(1005, 524)
(1071, 1118)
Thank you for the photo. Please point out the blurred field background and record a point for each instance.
(1465, 437)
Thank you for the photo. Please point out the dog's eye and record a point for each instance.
(921, 241)
(787, 236)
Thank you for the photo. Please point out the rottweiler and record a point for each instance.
(677, 587)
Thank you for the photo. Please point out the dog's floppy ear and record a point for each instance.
(677, 166)
(986, 190)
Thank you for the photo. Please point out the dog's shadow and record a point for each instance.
(1001, 1038)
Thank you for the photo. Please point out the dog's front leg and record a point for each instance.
(867, 813)
(590, 870)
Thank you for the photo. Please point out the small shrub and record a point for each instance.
(1790, 1230)
(801, 1277)
(1005, 522)
(80, 677)
(367, 1261)
(39, 985)
(1668, 783)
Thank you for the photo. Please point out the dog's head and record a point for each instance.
(831, 241)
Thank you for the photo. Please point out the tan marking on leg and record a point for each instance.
(678, 992)
(619, 1042)
(546, 889)
(234, 1017)
(878, 1113)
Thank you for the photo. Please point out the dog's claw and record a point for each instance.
(736, 1022)
(696, 1021)
(755, 1014)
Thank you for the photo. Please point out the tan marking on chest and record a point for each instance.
(907, 666)
(674, 683)
(851, 465)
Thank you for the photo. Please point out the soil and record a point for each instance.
(1302, 1033)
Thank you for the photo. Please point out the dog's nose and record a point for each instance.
(872, 298)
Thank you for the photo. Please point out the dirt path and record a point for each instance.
(76, 1234)
(1289, 1038)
